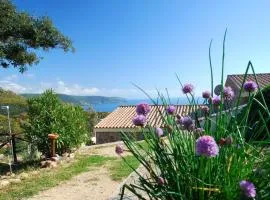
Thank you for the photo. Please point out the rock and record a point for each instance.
(9, 174)
(43, 158)
(53, 165)
(34, 173)
(55, 159)
(4, 177)
(71, 155)
(43, 164)
(4, 183)
(2, 156)
(65, 155)
(68, 159)
(15, 180)
(24, 175)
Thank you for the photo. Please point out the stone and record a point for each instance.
(65, 155)
(34, 173)
(2, 156)
(15, 180)
(43, 157)
(50, 164)
(4, 183)
(10, 174)
(71, 155)
(53, 165)
(4, 177)
(55, 159)
(43, 164)
(24, 175)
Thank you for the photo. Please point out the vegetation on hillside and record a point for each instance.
(17, 103)
(86, 101)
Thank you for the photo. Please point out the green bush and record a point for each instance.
(257, 113)
(93, 118)
(15, 125)
(47, 114)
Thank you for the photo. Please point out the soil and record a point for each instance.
(95, 184)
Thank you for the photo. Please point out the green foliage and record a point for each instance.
(93, 119)
(47, 114)
(15, 125)
(257, 112)
(85, 101)
(21, 34)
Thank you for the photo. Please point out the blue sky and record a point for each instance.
(121, 42)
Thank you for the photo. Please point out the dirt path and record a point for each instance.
(93, 185)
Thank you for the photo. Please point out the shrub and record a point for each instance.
(207, 159)
(47, 114)
(257, 113)
(93, 118)
(15, 125)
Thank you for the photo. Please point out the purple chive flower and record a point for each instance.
(171, 109)
(160, 180)
(139, 120)
(187, 88)
(205, 109)
(228, 93)
(216, 100)
(248, 189)
(206, 146)
(186, 123)
(159, 132)
(206, 94)
(143, 109)
(250, 86)
(119, 149)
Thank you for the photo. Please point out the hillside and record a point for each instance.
(16, 102)
(84, 100)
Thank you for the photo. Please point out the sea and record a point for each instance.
(109, 107)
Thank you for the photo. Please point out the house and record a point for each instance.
(120, 120)
(235, 82)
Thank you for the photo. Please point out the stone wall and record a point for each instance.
(106, 137)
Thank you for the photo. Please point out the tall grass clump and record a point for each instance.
(205, 155)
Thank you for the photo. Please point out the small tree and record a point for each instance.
(47, 114)
(93, 118)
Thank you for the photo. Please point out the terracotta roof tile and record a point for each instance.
(263, 79)
(123, 115)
